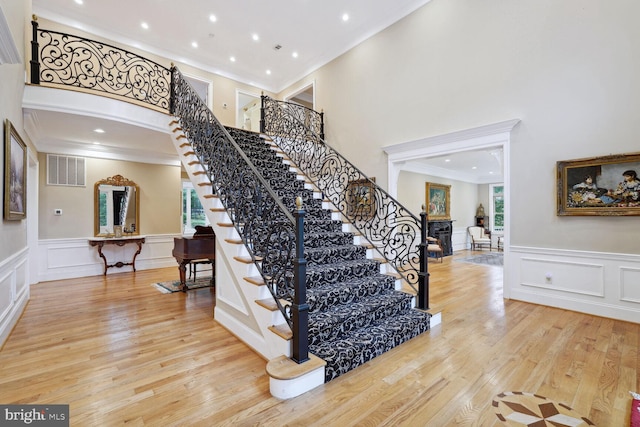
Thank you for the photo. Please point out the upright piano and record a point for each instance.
(200, 247)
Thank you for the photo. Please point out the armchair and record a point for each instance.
(479, 237)
(434, 246)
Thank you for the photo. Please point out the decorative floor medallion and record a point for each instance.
(517, 408)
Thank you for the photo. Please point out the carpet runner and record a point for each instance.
(355, 312)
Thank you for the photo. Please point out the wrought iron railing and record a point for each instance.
(68, 61)
(392, 229)
(312, 120)
(273, 237)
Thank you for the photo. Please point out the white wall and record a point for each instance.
(565, 69)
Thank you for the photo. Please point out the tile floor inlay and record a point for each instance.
(516, 408)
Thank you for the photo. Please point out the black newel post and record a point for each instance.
(423, 274)
(172, 93)
(300, 308)
(322, 125)
(35, 57)
(262, 102)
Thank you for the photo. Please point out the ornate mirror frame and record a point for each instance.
(132, 229)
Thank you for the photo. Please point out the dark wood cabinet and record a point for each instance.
(442, 230)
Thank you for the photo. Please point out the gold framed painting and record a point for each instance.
(15, 174)
(361, 198)
(438, 198)
(599, 186)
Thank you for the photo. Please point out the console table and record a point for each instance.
(99, 242)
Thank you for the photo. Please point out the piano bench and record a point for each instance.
(193, 268)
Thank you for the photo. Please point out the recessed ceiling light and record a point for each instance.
(212, 18)
(345, 17)
(98, 130)
(255, 37)
(269, 72)
(294, 54)
(232, 59)
(79, 1)
(144, 25)
(194, 44)
(474, 168)
(96, 143)
(447, 160)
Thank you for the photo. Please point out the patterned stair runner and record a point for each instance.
(355, 312)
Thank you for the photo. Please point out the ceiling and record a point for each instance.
(315, 30)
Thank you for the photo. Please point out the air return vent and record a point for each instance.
(66, 170)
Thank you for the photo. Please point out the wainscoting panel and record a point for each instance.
(60, 259)
(573, 277)
(14, 292)
(630, 284)
(602, 284)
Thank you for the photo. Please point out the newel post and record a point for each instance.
(299, 307)
(322, 125)
(35, 48)
(423, 274)
(262, 102)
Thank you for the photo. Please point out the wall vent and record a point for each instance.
(66, 170)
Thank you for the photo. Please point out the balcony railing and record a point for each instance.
(73, 62)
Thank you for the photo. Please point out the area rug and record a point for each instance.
(174, 285)
(490, 258)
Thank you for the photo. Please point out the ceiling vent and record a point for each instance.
(277, 47)
(66, 170)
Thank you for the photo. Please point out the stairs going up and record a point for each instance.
(356, 310)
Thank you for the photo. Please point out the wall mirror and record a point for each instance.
(117, 207)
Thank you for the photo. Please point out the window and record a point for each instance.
(192, 211)
(497, 207)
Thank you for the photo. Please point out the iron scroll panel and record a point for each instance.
(393, 229)
(76, 62)
(266, 227)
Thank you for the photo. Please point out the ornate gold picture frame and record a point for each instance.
(15, 174)
(600, 186)
(438, 200)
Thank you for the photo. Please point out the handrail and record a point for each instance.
(393, 230)
(313, 120)
(70, 61)
(267, 228)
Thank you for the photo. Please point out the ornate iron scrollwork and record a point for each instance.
(68, 60)
(264, 223)
(389, 226)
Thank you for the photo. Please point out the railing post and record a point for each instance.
(423, 274)
(172, 91)
(262, 102)
(35, 48)
(300, 308)
(322, 125)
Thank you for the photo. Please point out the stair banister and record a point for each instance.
(271, 234)
(392, 229)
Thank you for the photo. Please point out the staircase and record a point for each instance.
(356, 311)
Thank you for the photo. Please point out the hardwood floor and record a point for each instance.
(119, 352)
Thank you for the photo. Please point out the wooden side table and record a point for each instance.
(99, 242)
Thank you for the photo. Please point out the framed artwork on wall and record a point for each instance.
(361, 199)
(15, 174)
(606, 186)
(438, 200)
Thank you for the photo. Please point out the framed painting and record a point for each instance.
(607, 185)
(15, 174)
(438, 200)
(361, 199)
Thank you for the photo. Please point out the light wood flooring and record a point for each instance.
(122, 353)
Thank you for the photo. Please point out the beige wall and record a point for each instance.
(14, 233)
(566, 69)
(160, 199)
